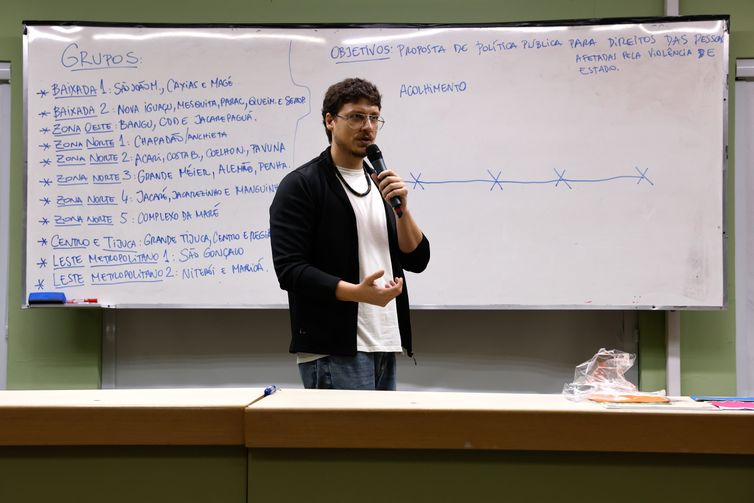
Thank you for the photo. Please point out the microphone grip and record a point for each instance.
(395, 202)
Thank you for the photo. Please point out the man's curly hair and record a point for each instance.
(348, 91)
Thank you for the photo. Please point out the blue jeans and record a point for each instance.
(372, 371)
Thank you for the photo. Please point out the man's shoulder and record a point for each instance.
(310, 170)
(312, 167)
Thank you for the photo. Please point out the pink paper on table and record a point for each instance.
(730, 404)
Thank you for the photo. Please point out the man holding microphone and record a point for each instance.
(342, 235)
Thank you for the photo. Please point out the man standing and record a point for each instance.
(333, 239)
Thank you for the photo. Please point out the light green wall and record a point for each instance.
(123, 474)
(496, 476)
(652, 375)
(61, 348)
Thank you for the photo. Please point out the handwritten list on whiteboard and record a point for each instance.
(584, 177)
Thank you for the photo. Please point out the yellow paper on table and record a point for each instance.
(628, 398)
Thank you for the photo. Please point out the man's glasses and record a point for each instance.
(358, 120)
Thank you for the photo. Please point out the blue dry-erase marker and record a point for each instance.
(270, 390)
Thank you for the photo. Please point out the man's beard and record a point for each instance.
(351, 148)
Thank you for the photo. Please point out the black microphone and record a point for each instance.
(374, 154)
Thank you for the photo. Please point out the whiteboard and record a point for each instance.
(555, 165)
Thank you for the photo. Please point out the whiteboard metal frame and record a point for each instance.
(726, 235)
(5, 134)
(744, 82)
(425, 307)
(314, 26)
(670, 6)
(25, 139)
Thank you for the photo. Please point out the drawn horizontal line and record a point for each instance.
(134, 281)
(102, 68)
(360, 60)
(120, 265)
(496, 181)
(58, 119)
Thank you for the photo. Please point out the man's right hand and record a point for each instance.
(369, 291)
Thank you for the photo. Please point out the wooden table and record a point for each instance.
(125, 417)
(528, 422)
(239, 446)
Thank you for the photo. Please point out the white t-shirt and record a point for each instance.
(377, 327)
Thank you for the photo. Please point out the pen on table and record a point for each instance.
(270, 390)
(82, 301)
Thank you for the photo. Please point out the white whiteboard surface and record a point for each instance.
(575, 165)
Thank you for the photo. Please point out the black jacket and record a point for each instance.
(314, 245)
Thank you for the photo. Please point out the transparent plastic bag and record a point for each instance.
(601, 378)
